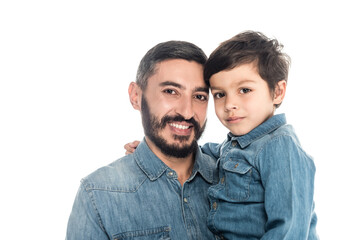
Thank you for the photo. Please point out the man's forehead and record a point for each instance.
(179, 73)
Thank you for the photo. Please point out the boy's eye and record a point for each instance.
(218, 95)
(244, 90)
(201, 97)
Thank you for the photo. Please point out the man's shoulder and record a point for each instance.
(123, 175)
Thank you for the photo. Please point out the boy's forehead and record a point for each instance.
(241, 71)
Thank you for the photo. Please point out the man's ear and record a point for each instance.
(279, 93)
(135, 94)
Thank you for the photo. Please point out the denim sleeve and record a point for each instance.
(84, 221)
(211, 149)
(287, 174)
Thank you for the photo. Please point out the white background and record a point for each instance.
(64, 112)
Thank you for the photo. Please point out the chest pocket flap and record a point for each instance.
(241, 167)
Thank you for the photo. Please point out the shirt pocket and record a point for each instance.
(161, 233)
(237, 179)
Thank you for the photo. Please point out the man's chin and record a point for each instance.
(179, 151)
(178, 147)
(182, 140)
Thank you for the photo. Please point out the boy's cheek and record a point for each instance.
(219, 114)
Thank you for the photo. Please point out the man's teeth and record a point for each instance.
(179, 126)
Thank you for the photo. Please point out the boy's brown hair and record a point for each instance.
(247, 47)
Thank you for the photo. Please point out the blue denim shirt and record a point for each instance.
(139, 197)
(266, 185)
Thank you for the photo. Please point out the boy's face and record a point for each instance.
(242, 98)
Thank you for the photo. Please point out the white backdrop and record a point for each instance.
(64, 112)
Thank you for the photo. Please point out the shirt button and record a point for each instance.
(236, 165)
(185, 200)
(233, 143)
(214, 205)
(170, 174)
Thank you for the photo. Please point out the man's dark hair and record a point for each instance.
(166, 51)
(247, 47)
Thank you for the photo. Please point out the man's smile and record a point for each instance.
(181, 128)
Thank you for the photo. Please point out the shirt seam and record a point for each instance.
(93, 204)
(91, 187)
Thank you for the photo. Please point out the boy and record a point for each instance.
(266, 185)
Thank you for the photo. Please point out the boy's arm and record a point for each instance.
(211, 149)
(287, 175)
(84, 221)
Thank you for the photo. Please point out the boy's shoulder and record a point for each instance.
(285, 131)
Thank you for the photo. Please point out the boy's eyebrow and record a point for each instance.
(246, 81)
(238, 83)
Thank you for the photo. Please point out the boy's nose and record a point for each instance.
(230, 104)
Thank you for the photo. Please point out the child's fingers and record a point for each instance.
(130, 147)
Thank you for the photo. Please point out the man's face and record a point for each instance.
(173, 107)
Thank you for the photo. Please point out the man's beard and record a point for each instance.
(152, 127)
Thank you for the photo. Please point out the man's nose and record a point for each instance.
(185, 108)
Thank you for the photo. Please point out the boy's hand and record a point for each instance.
(130, 147)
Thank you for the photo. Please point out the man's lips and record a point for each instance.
(234, 119)
(181, 128)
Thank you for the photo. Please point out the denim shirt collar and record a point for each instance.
(153, 167)
(266, 127)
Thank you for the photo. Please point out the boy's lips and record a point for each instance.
(234, 119)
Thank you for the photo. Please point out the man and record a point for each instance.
(160, 191)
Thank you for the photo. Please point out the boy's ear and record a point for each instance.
(279, 93)
(135, 94)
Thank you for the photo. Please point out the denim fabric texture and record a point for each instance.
(266, 185)
(139, 197)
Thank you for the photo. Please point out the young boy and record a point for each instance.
(266, 183)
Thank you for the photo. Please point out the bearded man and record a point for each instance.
(160, 191)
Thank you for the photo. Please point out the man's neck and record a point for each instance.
(182, 166)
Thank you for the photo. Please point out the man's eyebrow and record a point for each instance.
(202, 89)
(177, 85)
(169, 83)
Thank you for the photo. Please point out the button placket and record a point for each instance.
(222, 180)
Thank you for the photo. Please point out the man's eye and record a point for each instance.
(218, 95)
(244, 90)
(169, 91)
(201, 97)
